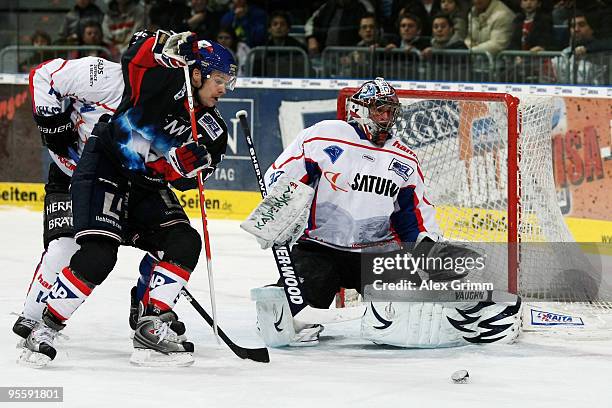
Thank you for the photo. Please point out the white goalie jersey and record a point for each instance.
(89, 86)
(366, 196)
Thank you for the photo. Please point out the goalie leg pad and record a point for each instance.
(275, 323)
(437, 325)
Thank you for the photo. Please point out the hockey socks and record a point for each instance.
(147, 264)
(67, 294)
(53, 260)
(165, 286)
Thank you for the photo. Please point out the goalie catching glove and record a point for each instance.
(281, 217)
(190, 158)
(438, 251)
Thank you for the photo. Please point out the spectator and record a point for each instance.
(489, 26)
(39, 39)
(83, 11)
(91, 35)
(533, 30)
(369, 32)
(280, 64)
(124, 18)
(335, 24)
(458, 15)
(278, 31)
(203, 21)
(410, 37)
(584, 39)
(446, 67)
(168, 15)
(414, 7)
(582, 43)
(248, 22)
(227, 38)
(443, 37)
(432, 7)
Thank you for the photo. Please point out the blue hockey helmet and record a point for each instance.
(211, 56)
(374, 108)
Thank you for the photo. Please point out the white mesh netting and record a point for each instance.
(463, 146)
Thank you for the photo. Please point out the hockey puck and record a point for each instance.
(460, 377)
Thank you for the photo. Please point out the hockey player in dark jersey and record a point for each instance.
(120, 194)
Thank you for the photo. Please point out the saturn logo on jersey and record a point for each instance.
(333, 179)
(374, 184)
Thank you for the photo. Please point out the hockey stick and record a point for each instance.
(257, 354)
(194, 134)
(292, 285)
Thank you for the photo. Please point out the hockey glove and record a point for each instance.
(190, 158)
(57, 132)
(166, 49)
(177, 50)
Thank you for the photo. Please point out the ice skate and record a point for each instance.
(23, 326)
(38, 349)
(157, 344)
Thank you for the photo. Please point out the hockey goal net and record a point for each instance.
(487, 163)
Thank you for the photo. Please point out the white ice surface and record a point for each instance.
(344, 371)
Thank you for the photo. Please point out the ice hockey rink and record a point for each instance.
(343, 371)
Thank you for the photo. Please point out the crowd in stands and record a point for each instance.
(417, 26)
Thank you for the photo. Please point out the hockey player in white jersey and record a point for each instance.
(68, 99)
(369, 196)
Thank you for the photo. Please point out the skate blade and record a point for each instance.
(20, 344)
(152, 358)
(32, 359)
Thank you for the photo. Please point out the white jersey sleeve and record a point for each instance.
(366, 196)
(89, 86)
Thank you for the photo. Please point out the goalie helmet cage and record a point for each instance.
(487, 163)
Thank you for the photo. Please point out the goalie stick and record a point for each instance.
(300, 310)
(257, 354)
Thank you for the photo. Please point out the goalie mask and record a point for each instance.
(374, 108)
(211, 56)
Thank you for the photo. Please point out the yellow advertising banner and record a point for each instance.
(237, 205)
(220, 204)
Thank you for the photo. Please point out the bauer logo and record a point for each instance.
(542, 318)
